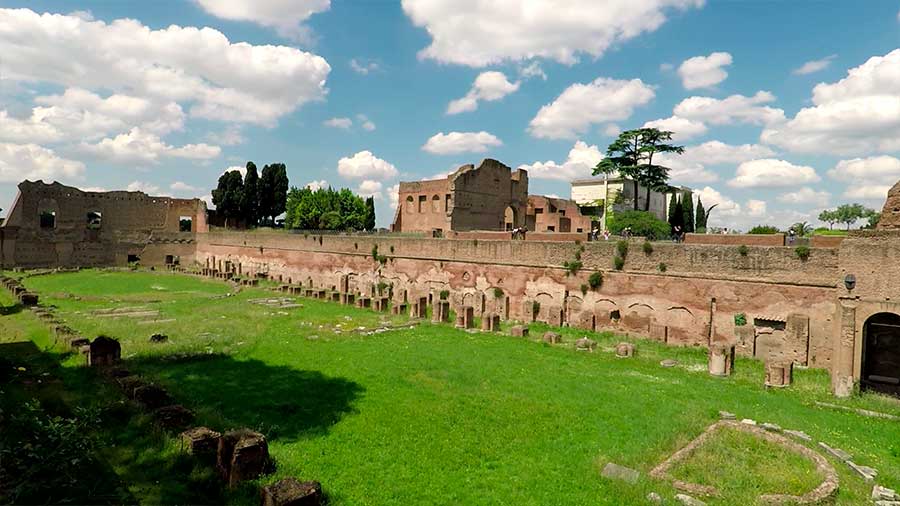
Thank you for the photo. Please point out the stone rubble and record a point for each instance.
(617, 472)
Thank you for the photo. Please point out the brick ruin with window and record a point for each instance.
(550, 214)
(58, 225)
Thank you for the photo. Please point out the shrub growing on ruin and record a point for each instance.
(578, 255)
(535, 307)
(764, 229)
(572, 267)
(740, 319)
(595, 280)
(622, 248)
(498, 292)
(375, 252)
(642, 224)
(743, 250)
(444, 294)
(584, 289)
(802, 252)
(382, 286)
(648, 248)
(662, 267)
(618, 263)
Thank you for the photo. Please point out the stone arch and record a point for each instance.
(436, 204)
(410, 205)
(638, 316)
(496, 302)
(510, 218)
(679, 316)
(881, 354)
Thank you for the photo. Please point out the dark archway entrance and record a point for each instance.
(881, 354)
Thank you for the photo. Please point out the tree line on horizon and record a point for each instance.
(257, 199)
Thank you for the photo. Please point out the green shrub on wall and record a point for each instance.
(802, 252)
(595, 280)
(498, 292)
(743, 250)
(584, 289)
(642, 223)
(740, 319)
(618, 263)
(572, 267)
(662, 267)
(648, 248)
(444, 294)
(622, 248)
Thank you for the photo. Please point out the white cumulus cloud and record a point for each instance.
(704, 71)
(285, 16)
(370, 188)
(483, 33)
(221, 80)
(365, 165)
(814, 66)
(579, 164)
(581, 105)
(30, 161)
(142, 186)
(317, 185)
(733, 109)
(344, 123)
(693, 165)
(867, 178)
(770, 173)
(138, 146)
(682, 128)
(460, 142)
(488, 86)
(362, 67)
(806, 195)
(859, 114)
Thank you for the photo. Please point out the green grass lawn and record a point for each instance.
(428, 415)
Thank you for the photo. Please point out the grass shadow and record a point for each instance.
(279, 401)
(10, 310)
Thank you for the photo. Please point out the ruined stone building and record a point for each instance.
(549, 214)
(57, 225)
(837, 308)
(491, 196)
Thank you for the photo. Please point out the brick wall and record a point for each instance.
(736, 239)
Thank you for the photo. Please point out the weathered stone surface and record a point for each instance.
(28, 299)
(441, 312)
(725, 415)
(200, 441)
(617, 472)
(552, 338)
(159, 338)
(292, 492)
(654, 498)
(467, 313)
(721, 359)
(687, 500)
(668, 363)
(242, 455)
(799, 434)
(880, 493)
(129, 384)
(624, 350)
(890, 213)
(835, 452)
(772, 427)
(867, 473)
(104, 351)
(173, 417)
(585, 344)
(152, 396)
(519, 331)
(779, 374)
(79, 342)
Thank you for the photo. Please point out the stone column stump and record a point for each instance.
(721, 359)
(779, 373)
(242, 455)
(519, 331)
(624, 350)
(104, 351)
(292, 492)
(200, 441)
(552, 338)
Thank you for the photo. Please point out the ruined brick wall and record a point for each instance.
(736, 239)
(482, 195)
(546, 214)
(94, 228)
(423, 206)
(694, 301)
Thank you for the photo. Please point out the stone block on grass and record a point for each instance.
(173, 417)
(242, 455)
(624, 350)
(585, 344)
(552, 338)
(617, 472)
(519, 331)
(200, 441)
(152, 396)
(104, 351)
(292, 492)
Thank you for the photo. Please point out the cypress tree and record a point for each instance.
(250, 198)
(673, 202)
(370, 213)
(687, 203)
(701, 216)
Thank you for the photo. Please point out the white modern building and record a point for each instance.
(595, 194)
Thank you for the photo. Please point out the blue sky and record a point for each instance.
(786, 108)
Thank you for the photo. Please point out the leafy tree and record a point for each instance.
(687, 205)
(764, 229)
(642, 223)
(326, 209)
(228, 195)
(700, 220)
(631, 155)
(676, 219)
(848, 214)
(250, 197)
(828, 216)
(370, 213)
(874, 217)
